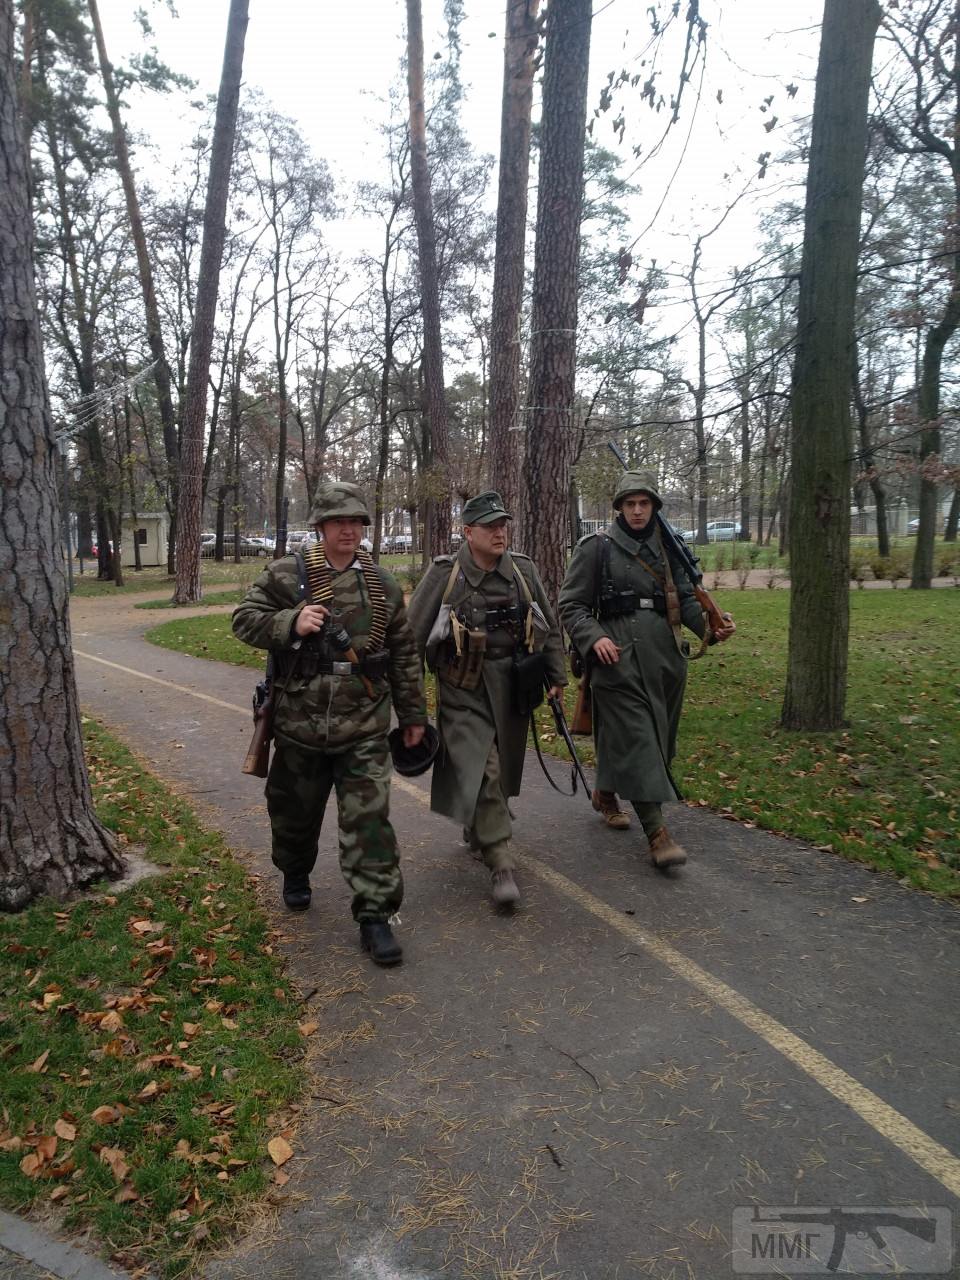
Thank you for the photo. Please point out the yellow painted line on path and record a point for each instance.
(933, 1158)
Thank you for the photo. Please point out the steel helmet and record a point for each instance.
(412, 761)
(636, 482)
(337, 498)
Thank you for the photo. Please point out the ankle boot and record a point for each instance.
(377, 938)
(296, 890)
(665, 851)
(605, 803)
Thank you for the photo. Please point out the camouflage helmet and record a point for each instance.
(337, 498)
(637, 482)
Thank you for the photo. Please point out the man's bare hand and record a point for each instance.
(727, 630)
(413, 735)
(555, 691)
(310, 619)
(606, 650)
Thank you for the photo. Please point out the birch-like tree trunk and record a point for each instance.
(520, 46)
(50, 839)
(205, 311)
(549, 410)
(435, 401)
(819, 512)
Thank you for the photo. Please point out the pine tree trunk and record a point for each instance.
(819, 516)
(520, 47)
(50, 839)
(553, 341)
(434, 393)
(188, 589)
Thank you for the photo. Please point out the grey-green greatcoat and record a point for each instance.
(470, 721)
(636, 701)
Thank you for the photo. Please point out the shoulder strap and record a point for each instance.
(450, 581)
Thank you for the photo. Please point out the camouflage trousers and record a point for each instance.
(297, 791)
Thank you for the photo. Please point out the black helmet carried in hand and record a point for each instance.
(412, 761)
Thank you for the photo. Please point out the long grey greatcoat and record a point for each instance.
(470, 720)
(636, 701)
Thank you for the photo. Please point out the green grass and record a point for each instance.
(208, 637)
(163, 1003)
(217, 597)
(157, 579)
(883, 791)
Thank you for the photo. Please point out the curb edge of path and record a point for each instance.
(66, 1261)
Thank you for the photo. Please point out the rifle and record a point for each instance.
(256, 761)
(862, 1223)
(576, 768)
(582, 722)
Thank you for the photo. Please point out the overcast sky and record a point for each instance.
(326, 64)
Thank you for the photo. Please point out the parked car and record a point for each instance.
(717, 531)
(913, 527)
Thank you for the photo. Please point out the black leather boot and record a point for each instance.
(296, 890)
(376, 936)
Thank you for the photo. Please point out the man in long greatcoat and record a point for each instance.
(613, 606)
(483, 599)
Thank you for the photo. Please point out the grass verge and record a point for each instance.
(216, 597)
(150, 1040)
(883, 791)
(157, 579)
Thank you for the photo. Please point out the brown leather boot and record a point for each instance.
(665, 851)
(605, 803)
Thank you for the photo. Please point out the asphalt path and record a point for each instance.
(602, 1083)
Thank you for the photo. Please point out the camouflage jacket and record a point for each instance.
(322, 711)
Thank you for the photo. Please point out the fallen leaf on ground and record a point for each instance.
(114, 1157)
(280, 1150)
(307, 1028)
(41, 1062)
(65, 1130)
(105, 1115)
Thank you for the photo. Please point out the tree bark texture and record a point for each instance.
(50, 839)
(205, 311)
(434, 393)
(161, 370)
(520, 46)
(819, 513)
(549, 412)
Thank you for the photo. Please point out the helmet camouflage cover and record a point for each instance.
(337, 498)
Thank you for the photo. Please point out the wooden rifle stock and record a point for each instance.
(581, 722)
(256, 761)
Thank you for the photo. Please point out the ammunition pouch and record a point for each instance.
(527, 685)
(461, 665)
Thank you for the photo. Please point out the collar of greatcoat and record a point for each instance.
(632, 546)
(475, 575)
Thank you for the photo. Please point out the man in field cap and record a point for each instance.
(475, 615)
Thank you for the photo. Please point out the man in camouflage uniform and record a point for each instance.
(489, 594)
(337, 628)
(613, 606)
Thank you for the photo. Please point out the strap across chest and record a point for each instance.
(320, 581)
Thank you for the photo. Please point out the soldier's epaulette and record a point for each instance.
(586, 538)
(520, 555)
(443, 559)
